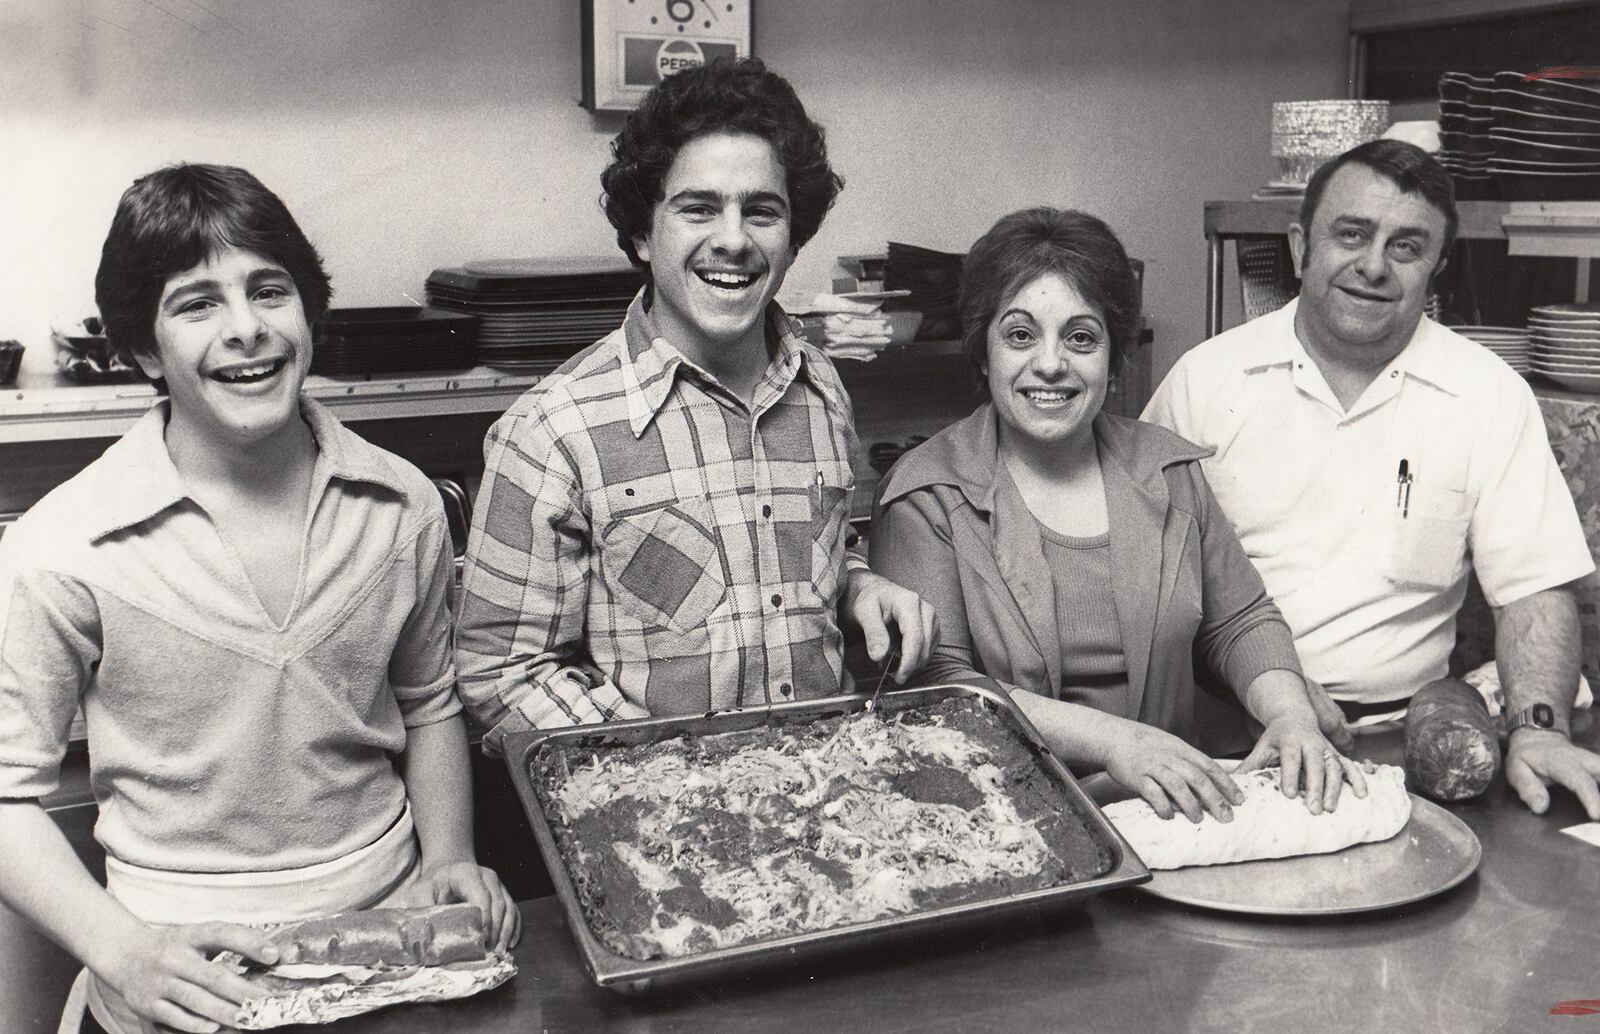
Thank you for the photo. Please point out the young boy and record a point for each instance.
(250, 604)
(661, 525)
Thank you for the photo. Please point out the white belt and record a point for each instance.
(277, 896)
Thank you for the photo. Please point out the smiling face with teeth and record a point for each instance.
(1048, 364)
(718, 248)
(234, 345)
(1366, 265)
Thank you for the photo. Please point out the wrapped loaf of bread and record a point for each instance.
(384, 937)
(1267, 824)
(1452, 750)
(343, 965)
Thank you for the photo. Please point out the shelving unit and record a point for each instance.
(51, 408)
(1569, 229)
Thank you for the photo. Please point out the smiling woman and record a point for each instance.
(1077, 559)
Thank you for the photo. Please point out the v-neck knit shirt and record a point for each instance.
(219, 742)
(1094, 670)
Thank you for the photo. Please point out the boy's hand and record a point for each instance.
(166, 976)
(476, 885)
(874, 603)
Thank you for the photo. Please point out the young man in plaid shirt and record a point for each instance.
(661, 526)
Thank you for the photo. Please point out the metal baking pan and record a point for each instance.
(633, 976)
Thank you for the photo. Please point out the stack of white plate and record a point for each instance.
(1565, 345)
(1509, 343)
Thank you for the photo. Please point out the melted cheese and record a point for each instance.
(881, 846)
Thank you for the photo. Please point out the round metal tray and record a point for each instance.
(1434, 852)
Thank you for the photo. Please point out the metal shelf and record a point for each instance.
(1568, 229)
(50, 408)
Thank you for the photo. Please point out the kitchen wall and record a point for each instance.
(411, 134)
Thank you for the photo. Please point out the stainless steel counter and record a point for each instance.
(1496, 953)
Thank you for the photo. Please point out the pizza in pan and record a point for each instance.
(693, 844)
(1267, 824)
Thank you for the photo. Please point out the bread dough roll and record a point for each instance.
(1267, 824)
(430, 936)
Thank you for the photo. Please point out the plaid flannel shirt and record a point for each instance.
(645, 543)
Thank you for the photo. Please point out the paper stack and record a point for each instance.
(850, 326)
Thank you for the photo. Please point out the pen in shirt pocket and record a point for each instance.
(816, 493)
(1402, 492)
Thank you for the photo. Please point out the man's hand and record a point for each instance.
(476, 885)
(1536, 640)
(874, 603)
(166, 976)
(1330, 719)
(1535, 758)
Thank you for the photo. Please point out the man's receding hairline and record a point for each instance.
(1380, 174)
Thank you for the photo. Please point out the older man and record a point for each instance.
(661, 527)
(1370, 459)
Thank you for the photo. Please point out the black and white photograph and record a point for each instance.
(799, 515)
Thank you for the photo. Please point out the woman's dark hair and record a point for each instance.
(1405, 165)
(170, 221)
(726, 96)
(1025, 245)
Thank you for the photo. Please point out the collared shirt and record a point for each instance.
(644, 542)
(219, 740)
(951, 525)
(1369, 571)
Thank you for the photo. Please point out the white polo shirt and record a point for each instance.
(1368, 579)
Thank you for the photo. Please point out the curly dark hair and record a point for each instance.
(730, 96)
(1026, 245)
(169, 221)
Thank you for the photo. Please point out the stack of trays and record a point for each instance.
(1565, 345)
(1522, 137)
(1546, 137)
(1466, 116)
(934, 279)
(394, 339)
(1509, 343)
(534, 314)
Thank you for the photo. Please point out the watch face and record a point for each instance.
(1543, 715)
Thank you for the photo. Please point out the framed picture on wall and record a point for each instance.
(629, 45)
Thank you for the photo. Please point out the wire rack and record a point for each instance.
(1266, 275)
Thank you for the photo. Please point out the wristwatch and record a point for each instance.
(1536, 716)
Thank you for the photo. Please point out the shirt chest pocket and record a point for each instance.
(663, 565)
(1424, 534)
(830, 508)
